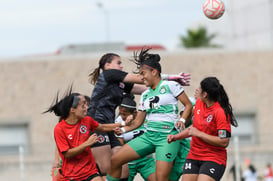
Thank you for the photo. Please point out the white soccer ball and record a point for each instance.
(213, 9)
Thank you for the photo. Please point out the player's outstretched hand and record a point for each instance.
(170, 138)
(117, 131)
(182, 78)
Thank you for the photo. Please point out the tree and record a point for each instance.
(196, 38)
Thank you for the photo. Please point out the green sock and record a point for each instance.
(109, 178)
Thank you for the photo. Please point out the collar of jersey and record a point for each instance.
(157, 87)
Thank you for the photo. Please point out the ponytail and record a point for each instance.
(62, 107)
(106, 58)
(216, 92)
(93, 76)
(224, 103)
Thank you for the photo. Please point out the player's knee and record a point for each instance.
(115, 161)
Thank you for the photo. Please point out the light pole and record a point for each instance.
(106, 21)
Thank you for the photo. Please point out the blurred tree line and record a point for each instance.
(197, 38)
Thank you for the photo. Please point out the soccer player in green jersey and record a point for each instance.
(158, 105)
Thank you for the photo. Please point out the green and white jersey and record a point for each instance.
(161, 106)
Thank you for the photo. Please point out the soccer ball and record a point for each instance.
(213, 9)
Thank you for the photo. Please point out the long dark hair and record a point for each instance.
(62, 107)
(252, 168)
(106, 58)
(216, 92)
(148, 59)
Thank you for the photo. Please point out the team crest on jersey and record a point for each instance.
(162, 90)
(209, 118)
(121, 85)
(83, 129)
(101, 139)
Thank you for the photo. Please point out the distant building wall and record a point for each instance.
(29, 85)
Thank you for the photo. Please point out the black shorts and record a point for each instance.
(209, 168)
(106, 139)
(91, 177)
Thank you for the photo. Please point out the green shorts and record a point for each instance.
(180, 160)
(145, 166)
(151, 141)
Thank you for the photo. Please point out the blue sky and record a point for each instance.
(39, 27)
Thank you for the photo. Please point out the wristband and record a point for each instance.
(164, 76)
(123, 130)
(122, 123)
(182, 120)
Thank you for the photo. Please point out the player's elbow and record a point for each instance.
(66, 154)
(224, 143)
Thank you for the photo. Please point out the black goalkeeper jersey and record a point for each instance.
(107, 95)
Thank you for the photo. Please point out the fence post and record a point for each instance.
(21, 163)
(237, 158)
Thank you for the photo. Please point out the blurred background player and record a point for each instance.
(268, 173)
(250, 173)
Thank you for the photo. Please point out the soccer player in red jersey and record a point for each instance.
(74, 135)
(210, 133)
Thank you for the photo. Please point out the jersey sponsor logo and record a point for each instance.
(137, 133)
(166, 127)
(154, 102)
(168, 155)
(83, 129)
(162, 90)
(187, 166)
(209, 118)
(222, 133)
(70, 136)
(212, 170)
(198, 111)
(121, 85)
